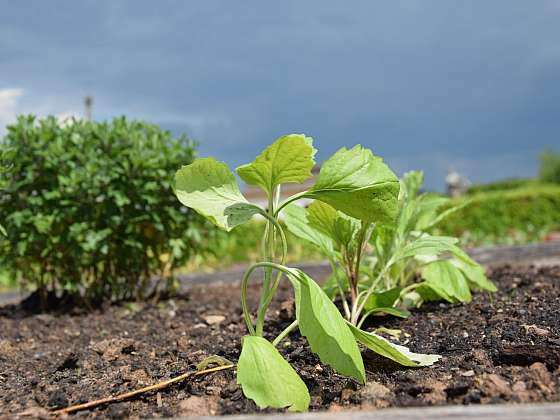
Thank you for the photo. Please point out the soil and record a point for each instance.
(499, 349)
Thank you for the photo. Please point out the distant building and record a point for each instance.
(456, 184)
(257, 196)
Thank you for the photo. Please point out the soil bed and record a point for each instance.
(500, 349)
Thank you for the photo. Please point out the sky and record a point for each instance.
(431, 85)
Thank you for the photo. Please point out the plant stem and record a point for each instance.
(285, 332)
(360, 306)
(268, 256)
(290, 200)
(340, 290)
(268, 293)
(246, 313)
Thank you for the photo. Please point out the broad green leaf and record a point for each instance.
(383, 299)
(399, 354)
(268, 379)
(359, 184)
(401, 313)
(296, 220)
(324, 327)
(427, 245)
(334, 224)
(208, 187)
(447, 281)
(289, 159)
(475, 275)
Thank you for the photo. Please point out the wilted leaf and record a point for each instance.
(268, 379)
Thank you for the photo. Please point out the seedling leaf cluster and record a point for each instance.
(357, 219)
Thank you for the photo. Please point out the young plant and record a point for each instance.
(377, 264)
(353, 182)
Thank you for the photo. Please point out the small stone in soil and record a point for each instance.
(57, 399)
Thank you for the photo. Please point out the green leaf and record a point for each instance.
(399, 354)
(383, 299)
(333, 224)
(427, 245)
(297, 222)
(325, 328)
(401, 313)
(411, 183)
(447, 281)
(475, 275)
(359, 184)
(268, 379)
(209, 187)
(288, 159)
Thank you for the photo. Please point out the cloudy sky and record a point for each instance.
(426, 84)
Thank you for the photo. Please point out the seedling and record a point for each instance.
(354, 184)
(377, 264)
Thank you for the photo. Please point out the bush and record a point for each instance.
(550, 167)
(89, 206)
(500, 217)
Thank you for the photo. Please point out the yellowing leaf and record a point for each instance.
(208, 187)
(268, 379)
(289, 159)
(359, 184)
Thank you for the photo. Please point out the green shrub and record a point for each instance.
(89, 207)
(498, 217)
(550, 167)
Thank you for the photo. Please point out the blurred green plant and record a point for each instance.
(550, 166)
(89, 207)
(503, 185)
(505, 217)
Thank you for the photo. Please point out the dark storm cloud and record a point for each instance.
(427, 84)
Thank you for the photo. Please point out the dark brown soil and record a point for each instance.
(504, 348)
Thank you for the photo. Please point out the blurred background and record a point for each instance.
(432, 85)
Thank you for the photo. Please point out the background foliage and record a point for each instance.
(510, 216)
(89, 206)
(550, 166)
